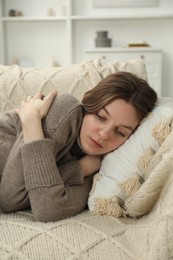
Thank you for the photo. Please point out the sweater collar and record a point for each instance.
(77, 149)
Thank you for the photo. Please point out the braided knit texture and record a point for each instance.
(17, 83)
(89, 237)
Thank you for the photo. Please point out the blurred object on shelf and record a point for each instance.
(138, 44)
(102, 39)
(50, 12)
(14, 13)
(19, 13)
(63, 10)
(63, 7)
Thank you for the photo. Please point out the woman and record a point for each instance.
(50, 149)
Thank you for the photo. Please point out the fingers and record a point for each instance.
(38, 95)
(49, 98)
(51, 95)
(36, 103)
(28, 99)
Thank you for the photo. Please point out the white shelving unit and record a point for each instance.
(32, 25)
(69, 38)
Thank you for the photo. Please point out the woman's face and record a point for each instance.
(109, 128)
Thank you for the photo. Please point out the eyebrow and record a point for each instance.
(128, 127)
(125, 126)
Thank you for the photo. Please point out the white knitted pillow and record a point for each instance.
(16, 83)
(123, 171)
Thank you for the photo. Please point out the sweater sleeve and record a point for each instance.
(56, 192)
(50, 198)
(40, 167)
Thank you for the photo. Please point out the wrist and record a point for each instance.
(30, 118)
(86, 165)
(32, 130)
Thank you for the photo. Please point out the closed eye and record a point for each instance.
(100, 117)
(117, 131)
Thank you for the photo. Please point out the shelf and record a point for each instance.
(88, 18)
(123, 16)
(34, 19)
(123, 49)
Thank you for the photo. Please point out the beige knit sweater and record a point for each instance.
(43, 174)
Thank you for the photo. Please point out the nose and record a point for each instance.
(104, 133)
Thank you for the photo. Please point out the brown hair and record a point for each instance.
(121, 85)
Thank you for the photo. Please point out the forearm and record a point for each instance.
(59, 201)
(40, 168)
(13, 195)
(8, 135)
(52, 197)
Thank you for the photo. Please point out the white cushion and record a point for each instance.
(122, 164)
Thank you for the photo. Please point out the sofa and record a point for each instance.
(86, 235)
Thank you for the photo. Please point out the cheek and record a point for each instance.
(116, 143)
(88, 126)
(91, 123)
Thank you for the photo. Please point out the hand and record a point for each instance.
(90, 164)
(35, 107)
(32, 110)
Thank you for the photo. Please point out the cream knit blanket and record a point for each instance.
(86, 236)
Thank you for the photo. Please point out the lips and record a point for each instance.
(96, 144)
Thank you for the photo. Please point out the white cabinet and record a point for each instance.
(150, 56)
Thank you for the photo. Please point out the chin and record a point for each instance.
(95, 153)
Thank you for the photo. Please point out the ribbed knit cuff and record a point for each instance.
(71, 173)
(39, 164)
